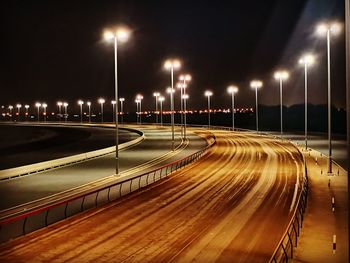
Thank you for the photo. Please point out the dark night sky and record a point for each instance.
(52, 50)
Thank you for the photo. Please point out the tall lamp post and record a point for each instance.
(328, 29)
(232, 90)
(171, 65)
(306, 61)
(208, 94)
(38, 105)
(161, 99)
(280, 76)
(65, 105)
(185, 78)
(185, 97)
(139, 97)
(121, 108)
(89, 107)
(27, 108)
(44, 105)
(256, 84)
(59, 104)
(18, 106)
(113, 102)
(101, 101)
(156, 95)
(137, 110)
(118, 35)
(80, 103)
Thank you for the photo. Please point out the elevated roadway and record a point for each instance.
(233, 205)
(154, 151)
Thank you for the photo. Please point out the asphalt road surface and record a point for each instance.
(233, 205)
(23, 144)
(154, 151)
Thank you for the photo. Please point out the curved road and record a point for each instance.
(152, 152)
(233, 205)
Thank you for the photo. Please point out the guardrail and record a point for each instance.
(60, 162)
(35, 218)
(289, 241)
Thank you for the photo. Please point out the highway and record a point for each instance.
(154, 151)
(233, 205)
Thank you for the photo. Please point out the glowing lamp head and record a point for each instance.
(121, 99)
(185, 96)
(113, 102)
(232, 89)
(10, 107)
(186, 77)
(307, 59)
(208, 93)
(139, 97)
(38, 104)
(44, 105)
(256, 84)
(323, 28)
(26, 106)
(170, 90)
(59, 103)
(101, 101)
(137, 101)
(161, 98)
(19, 106)
(80, 102)
(156, 94)
(122, 34)
(88, 103)
(281, 75)
(65, 104)
(172, 64)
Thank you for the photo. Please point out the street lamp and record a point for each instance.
(38, 105)
(327, 29)
(118, 35)
(26, 107)
(172, 64)
(306, 60)
(184, 78)
(65, 105)
(280, 76)
(113, 106)
(185, 97)
(139, 99)
(59, 104)
(137, 110)
(18, 106)
(80, 103)
(44, 105)
(89, 107)
(208, 94)
(101, 101)
(121, 108)
(11, 108)
(256, 84)
(156, 95)
(161, 99)
(232, 90)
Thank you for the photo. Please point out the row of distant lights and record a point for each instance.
(123, 34)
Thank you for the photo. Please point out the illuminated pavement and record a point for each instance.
(232, 205)
(136, 159)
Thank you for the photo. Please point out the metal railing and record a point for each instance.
(289, 241)
(24, 222)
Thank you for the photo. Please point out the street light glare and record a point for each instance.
(322, 29)
(333, 27)
(38, 104)
(281, 75)
(65, 104)
(308, 59)
(88, 103)
(19, 106)
(256, 84)
(172, 64)
(44, 105)
(161, 98)
(185, 96)
(121, 99)
(208, 93)
(156, 94)
(123, 34)
(26, 106)
(232, 89)
(139, 97)
(101, 101)
(59, 103)
(113, 102)
(80, 102)
(170, 90)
